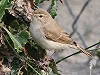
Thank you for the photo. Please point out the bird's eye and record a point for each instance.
(40, 16)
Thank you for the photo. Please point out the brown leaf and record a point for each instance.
(22, 9)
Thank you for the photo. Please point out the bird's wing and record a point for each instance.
(54, 32)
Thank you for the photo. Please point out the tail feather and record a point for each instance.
(84, 51)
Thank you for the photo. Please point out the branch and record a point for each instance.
(77, 52)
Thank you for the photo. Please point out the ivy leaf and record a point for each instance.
(53, 8)
(3, 4)
(22, 37)
(17, 45)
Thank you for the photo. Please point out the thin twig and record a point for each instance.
(76, 53)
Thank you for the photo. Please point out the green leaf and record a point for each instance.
(54, 67)
(33, 68)
(3, 4)
(51, 72)
(53, 8)
(15, 25)
(15, 66)
(22, 37)
(17, 45)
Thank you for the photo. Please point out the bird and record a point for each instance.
(48, 34)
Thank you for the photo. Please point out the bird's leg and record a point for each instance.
(52, 55)
(55, 51)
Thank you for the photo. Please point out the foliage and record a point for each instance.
(26, 56)
(53, 8)
(3, 5)
(17, 50)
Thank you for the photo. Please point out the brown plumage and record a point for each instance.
(45, 29)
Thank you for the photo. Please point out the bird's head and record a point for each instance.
(41, 16)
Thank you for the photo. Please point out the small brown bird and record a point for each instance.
(49, 35)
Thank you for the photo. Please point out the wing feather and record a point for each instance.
(55, 32)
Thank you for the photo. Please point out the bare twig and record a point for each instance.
(76, 53)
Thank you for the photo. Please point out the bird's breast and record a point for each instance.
(37, 34)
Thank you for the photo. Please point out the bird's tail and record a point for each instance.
(84, 51)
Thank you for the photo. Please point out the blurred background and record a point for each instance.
(86, 32)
